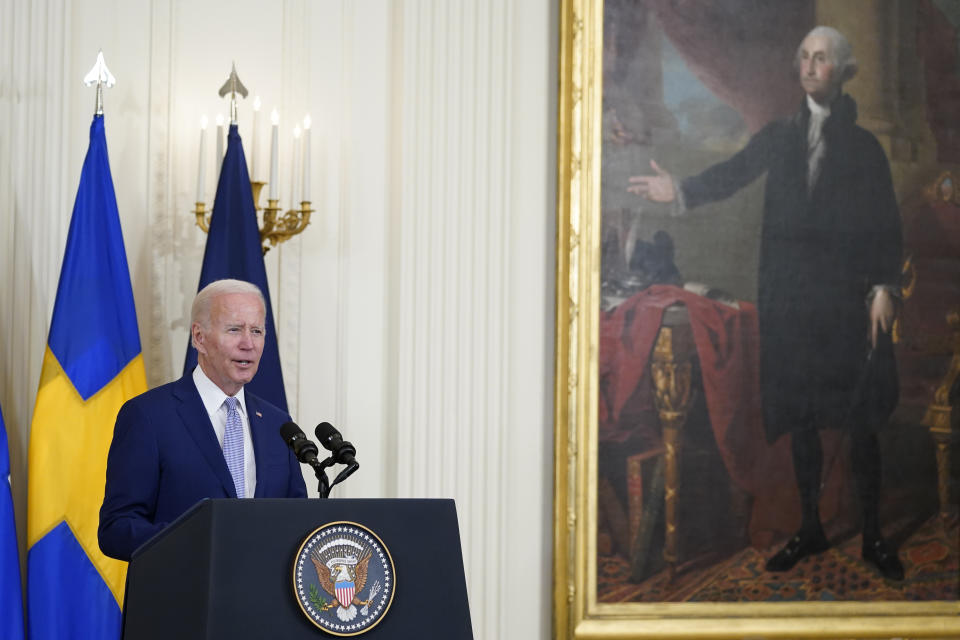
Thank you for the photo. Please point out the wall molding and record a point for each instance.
(454, 218)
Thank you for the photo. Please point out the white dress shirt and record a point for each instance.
(214, 400)
(816, 147)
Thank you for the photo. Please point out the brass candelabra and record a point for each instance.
(275, 226)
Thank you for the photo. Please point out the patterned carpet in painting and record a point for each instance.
(929, 557)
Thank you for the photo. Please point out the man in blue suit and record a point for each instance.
(200, 436)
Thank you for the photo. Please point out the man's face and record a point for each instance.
(817, 70)
(230, 346)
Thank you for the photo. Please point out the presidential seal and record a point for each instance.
(343, 578)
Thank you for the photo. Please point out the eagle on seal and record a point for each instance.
(343, 577)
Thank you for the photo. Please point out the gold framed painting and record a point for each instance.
(758, 320)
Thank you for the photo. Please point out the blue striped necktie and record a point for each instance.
(233, 445)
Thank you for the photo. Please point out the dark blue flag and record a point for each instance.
(11, 604)
(233, 251)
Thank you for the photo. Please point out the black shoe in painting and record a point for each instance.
(876, 552)
(799, 547)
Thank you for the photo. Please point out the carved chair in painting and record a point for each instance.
(928, 329)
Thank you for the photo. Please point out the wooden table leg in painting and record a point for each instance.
(939, 417)
(671, 371)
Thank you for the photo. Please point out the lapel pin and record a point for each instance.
(259, 415)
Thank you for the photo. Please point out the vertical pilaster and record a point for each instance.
(162, 205)
(286, 285)
(453, 256)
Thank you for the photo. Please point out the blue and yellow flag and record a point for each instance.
(91, 366)
(11, 602)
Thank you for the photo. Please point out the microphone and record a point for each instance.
(331, 440)
(302, 446)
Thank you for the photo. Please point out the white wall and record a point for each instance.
(415, 313)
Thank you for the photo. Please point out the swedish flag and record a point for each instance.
(91, 366)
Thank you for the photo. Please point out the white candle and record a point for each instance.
(219, 144)
(201, 168)
(306, 158)
(255, 141)
(275, 119)
(295, 170)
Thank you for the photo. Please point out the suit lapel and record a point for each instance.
(197, 423)
(255, 416)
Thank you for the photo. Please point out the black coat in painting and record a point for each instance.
(820, 257)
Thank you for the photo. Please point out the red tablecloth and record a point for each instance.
(727, 346)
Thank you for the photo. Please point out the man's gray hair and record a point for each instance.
(841, 53)
(200, 311)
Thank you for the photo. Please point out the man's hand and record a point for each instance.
(658, 188)
(881, 314)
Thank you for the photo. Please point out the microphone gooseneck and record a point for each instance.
(341, 451)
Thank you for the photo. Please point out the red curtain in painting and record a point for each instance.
(742, 50)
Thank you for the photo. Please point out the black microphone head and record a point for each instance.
(297, 440)
(289, 430)
(328, 436)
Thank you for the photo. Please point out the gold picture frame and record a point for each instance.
(577, 612)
